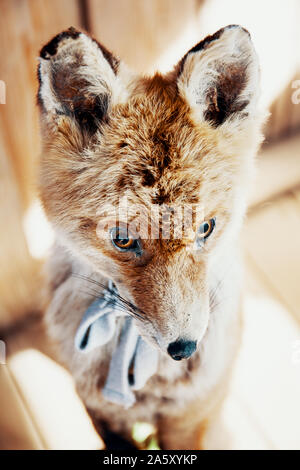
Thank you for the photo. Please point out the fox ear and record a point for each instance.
(78, 78)
(219, 77)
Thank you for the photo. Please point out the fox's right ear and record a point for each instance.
(219, 77)
(79, 79)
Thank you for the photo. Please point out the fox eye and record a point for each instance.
(205, 230)
(122, 240)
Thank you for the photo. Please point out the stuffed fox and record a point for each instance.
(147, 323)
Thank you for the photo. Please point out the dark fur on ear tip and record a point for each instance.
(39, 100)
(215, 36)
(50, 48)
(206, 41)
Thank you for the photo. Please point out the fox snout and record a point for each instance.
(181, 349)
(172, 317)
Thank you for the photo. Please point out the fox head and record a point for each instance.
(168, 142)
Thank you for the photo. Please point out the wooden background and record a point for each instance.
(262, 410)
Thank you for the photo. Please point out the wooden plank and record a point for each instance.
(271, 239)
(140, 30)
(17, 431)
(266, 378)
(284, 120)
(278, 170)
(24, 27)
(54, 405)
(296, 194)
(18, 275)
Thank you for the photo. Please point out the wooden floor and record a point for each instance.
(263, 408)
(266, 387)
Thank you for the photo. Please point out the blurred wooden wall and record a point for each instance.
(24, 27)
(284, 118)
(139, 30)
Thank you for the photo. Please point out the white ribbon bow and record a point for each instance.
(97, 328)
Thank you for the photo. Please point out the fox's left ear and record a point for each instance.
(79, 79)
(219, 77)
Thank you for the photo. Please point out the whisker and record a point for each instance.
(112, 292)
(121, 302)
(119, 305)
(95, 292)
(85, 278)
(87, 293)
(220, 302)
(214, 293)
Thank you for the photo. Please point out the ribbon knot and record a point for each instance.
(132, 353)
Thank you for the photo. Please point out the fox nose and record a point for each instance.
(181, 349)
